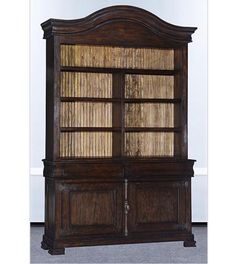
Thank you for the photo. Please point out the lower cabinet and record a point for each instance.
(124, 211)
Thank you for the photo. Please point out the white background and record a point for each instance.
(180, 12)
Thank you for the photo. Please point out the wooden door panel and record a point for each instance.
(157, 206)
(90, 209)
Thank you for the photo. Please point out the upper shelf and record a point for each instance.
(120, 25)
(118, 70)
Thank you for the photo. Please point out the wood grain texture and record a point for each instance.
(94, 208)
(127, 25)
(156, 206)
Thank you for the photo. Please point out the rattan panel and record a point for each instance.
(149, 144)
(116, 57)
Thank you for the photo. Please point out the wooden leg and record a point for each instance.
(190, 243)
(56, 251)
(44, 245)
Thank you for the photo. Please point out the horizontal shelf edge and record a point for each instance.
(152, 100)
(152, 129)
(117, 129)
(118, 70)
(119, 159)
(89, 99)
(89, 129)
(127, 100)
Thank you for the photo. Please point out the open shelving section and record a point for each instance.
(118, 102)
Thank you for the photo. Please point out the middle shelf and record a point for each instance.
(119, 129)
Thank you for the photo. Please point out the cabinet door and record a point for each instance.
(158, 206)
(89, 208)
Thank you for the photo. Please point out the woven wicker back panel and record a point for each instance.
(81, 114)
(100, 114)
(86, 144)
(116, 57)
(149, 115)
(149, 86)
(86, 114)
(149, 144)
(84, 84)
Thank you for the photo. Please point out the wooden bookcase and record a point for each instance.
(116, 167)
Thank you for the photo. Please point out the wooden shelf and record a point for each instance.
(89, 129)
(123, 159)
(127, 129)
(152, 100)
(152, 129)
(89, 99)
(118, 70)
(116, 100)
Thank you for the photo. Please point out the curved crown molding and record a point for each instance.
(122, 13)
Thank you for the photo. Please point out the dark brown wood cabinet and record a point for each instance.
(116, 167)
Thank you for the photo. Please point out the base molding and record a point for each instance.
(194, 224)
(57, 247)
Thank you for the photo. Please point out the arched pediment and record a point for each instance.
(126, 22)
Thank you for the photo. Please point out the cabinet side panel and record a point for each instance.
(49, 208)
(185, 102)
(188, 210)
(49, 98)
(52, 98)
(180, 91)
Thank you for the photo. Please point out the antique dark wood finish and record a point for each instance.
(118, 199)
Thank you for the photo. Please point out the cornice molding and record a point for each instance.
(115, 14)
